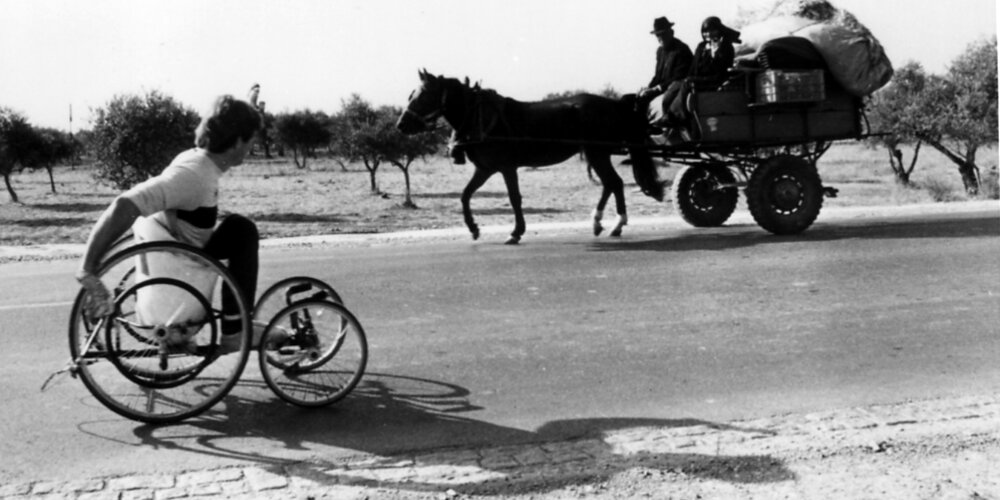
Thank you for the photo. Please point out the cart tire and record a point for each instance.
(785, 194)
(700, 199)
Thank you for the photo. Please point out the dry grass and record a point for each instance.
(324, 199)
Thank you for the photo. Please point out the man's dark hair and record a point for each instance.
(231, 119)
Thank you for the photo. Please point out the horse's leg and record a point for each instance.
(601, 161)
(479, 177)
(598, 213)
(514, 193)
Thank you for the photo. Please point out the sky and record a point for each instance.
(57, 55)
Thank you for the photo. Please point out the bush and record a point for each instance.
(135, 138)
(990, 185)
(940, 190)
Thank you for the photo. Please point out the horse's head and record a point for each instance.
(426, 105)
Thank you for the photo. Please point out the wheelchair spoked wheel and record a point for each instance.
(168, 375)
(159, 356)
(287, 292)
(313, 353)
(290, 290)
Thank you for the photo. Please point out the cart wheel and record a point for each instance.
(705, 197)
(313, 353)
(291, 290)
(785, 194)
(144, 367)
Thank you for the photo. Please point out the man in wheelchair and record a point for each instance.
(183, 202)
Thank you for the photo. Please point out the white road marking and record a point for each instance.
(35, 306)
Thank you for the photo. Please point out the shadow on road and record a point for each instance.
(729, 237)
(410, 423)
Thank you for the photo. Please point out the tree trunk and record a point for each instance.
(406, 175)
(970, 177)
(295, 158)
(10, 189)
(896, 162)
(52, 180)
(372, 168)
(966, 166)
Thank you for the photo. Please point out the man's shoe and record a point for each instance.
(229, 343)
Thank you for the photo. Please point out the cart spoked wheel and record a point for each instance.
(705, 197)
(313, 353)
(785, 194)
(157, 357)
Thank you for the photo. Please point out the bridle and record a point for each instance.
(430, 118)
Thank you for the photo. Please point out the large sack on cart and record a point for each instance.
(853, 56)
(169, 305)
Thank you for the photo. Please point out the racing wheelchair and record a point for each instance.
(157, 358)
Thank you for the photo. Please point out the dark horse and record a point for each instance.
(500, 134)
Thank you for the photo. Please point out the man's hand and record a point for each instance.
(98, 302)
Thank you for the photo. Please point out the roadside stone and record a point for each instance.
(44, 488)
(170, 493)
(82, 486)
(99, 495)
(204, 490)
(498, 458)
(532, 456)
(156, 482)
(137, 495)
(17, 489)
(561, 453)
(207, 477)
(262, 480)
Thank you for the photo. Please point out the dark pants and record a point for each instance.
(236, 240)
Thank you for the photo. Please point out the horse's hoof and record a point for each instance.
(475, 233)
(513, 240)
(616, 233)
(598, 229)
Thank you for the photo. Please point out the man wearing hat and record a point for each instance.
(673, 63)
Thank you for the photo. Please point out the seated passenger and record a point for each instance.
(713, 58)
(673, 63)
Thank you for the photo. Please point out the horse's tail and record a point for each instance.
(644, 170)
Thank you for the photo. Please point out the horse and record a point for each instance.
(500, 134)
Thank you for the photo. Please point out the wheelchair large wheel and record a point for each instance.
(288, 291)
(157, 358)
(313, 353)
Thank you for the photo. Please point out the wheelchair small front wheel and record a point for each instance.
(313, 353)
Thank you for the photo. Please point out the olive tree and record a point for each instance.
(17, 140)
(54, 146)
(956, 113)
(965, 110)
(401, 150)
(363, 134)
(135, 137)
(895, 114)
(303, 132)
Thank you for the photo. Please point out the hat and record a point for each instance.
(660, 25)
(715, 24)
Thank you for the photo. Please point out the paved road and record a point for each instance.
(480, 343)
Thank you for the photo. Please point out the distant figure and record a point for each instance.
(263, 139)
(252, 95)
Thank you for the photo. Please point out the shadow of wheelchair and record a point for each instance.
(414, 434)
